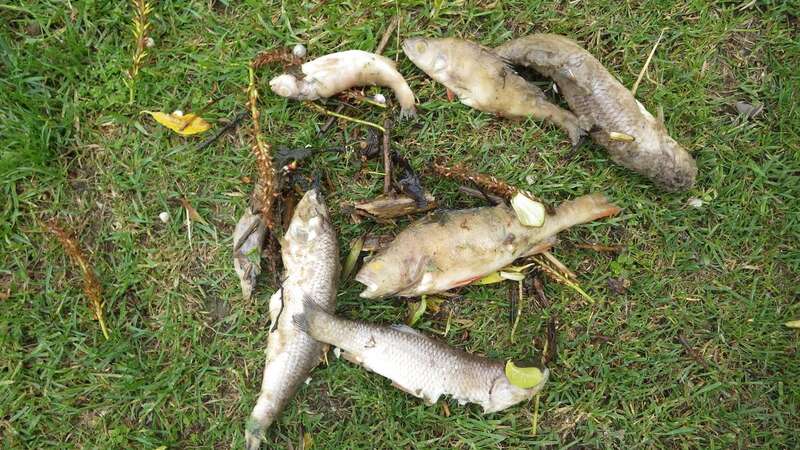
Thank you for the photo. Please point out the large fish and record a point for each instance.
(453, 248)
(616, 120)
(311, 261)
(485, 82)
(421, 366)
(330, 74)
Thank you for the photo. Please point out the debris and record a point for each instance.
(646, 64)
(374, 242)
(695, 202)
(388, 207)
(91, 287)
(248, 240)
(183, 124)
(387, 34)
(407, 180)
(265, 192)
(322, 110)
(529, 212)
(620, 137)
(491, 198)
(750, 111)
(141, 26)
(618, 285)
(559, 265)
(164, 216)
(280, 55)
(792, 324)
(520, 300)
(387, 161)
(299, 51)
(379, 98)
(559, 277)
(462, 174)
(692, 352)
(228, 127)
(190, 211)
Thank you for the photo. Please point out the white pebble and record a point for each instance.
(299, 51)
(695, 202)
(380, 99)
(164, 216)
(149, 42)
(177, 113)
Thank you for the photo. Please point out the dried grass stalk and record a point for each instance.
(140, 27)
(91, 287)
(282, 55)
(266, 191)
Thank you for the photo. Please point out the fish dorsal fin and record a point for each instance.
(405, 329)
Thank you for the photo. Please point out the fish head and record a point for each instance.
(505, 394)
(430, 55)
(285, 85)
(390, 272)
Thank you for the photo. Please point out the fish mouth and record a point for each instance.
(409, 47)
(372, 287)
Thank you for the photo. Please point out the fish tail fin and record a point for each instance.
(312, 319)
(581, 210)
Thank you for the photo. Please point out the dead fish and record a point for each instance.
(330, 74)
(485, 82)
(453, 248)
(419, 365)
(311, 260)
(606, 108)
(248, 240)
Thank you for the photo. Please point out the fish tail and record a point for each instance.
(313, 320)
(581, 210)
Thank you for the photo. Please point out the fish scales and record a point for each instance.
(311, 261)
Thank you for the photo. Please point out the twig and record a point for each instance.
(387, 160)
(646, 64)
(554, 274)
(387, 34)
(322, 110)
(465, 175)
(228, 127)
(535, 419)
(493, 199)
(91, 287)
(559, 265)
(692, 351)
(519, 309)
(265, 191)
(324, 128)
(364, 99)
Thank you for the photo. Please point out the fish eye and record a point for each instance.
(421, 47)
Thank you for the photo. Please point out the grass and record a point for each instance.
(183, 365)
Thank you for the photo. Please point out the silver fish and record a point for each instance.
(616, 120)
(453, 248)
(311, 261)
(421, 366)
(485, 82)
(248, 240)
(330, 74)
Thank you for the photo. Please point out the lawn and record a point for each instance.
(693, 354)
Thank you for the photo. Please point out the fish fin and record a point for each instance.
(404, 329)
(467, 281)
(450, 95)
(417, 393)
(581, 210)
(300, 322)
(353, 359)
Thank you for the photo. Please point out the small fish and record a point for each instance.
(311, 260)
(454, 248)
(616, 120)
(330, 74)
(419, 365)
(485, 82)
(248, 240)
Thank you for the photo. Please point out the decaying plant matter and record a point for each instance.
(91, 287)
(463, 174)
(266, 189)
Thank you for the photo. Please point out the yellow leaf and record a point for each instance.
(492, 278)
(183, 124)
(507, 273)
(523, 377)
(416, 310)
(308, 441)
(793, 324)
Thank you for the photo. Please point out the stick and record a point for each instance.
(330, 121)
(646, 63)
(692, 351)
(478, 194)
(387, 34)
(230, 126)
(387, 160)
(342, 116)
(519, 310)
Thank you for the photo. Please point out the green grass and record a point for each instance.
(183, 365)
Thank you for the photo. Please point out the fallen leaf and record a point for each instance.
(308, 441)
(193, 214)
(793, 324)
(529, 212)
(352, 257)
(618, 285)
(416, 310)
(523, 377)
(183, 124)
(748, 110)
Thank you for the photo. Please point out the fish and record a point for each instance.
(248, 239)
(417, 364)
(483, 81)
(614, 118)
(310, 256)
(330, 74)
(448, 249)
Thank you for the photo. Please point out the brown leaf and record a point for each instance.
(618, 285)
(193, 214)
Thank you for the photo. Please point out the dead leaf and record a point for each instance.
(350, 263)
(416, 310)
(749, 110)
(618, 285)
(248, 240)
(793, 324)
(193, 214)
(386, 207)
(183, 124)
